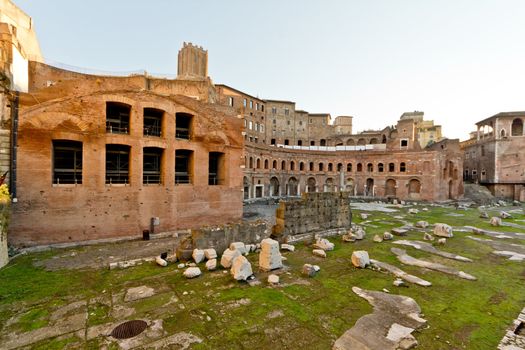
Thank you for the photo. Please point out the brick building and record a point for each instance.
(495, 155)
(95, 156)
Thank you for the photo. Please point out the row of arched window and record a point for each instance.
(257, 163)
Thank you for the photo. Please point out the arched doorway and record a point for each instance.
(369, 190)
(450, 190)
(246, 187)
(350, 186)
(329, 185)
(292, 186)
(414, 189)
(390, 188)
(274, 187)
(310, 184)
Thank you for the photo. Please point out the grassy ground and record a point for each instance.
(308, 313)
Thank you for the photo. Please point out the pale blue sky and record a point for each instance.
(459, 61)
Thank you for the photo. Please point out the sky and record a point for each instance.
(459, 61)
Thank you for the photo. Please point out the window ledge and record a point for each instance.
(118, 185)
(66, 185)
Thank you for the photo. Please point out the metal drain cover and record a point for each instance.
(129, 329)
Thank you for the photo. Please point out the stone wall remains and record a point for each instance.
(314, 214)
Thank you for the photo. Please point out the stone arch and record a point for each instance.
(274, 187)
(349, 185)
(349, 167)
(370, 167)
(311, 184)
(369, 190)
(292, 165)
(329, 185)
(258, 163)
(359, 167)
(350, 142)
(293, 186)
(390, 188)
(53, 120)
(246, 187)
(330, 167)
(301, 166)
(383, 139)
(373, 141)
(414, 189)
(274, 164)
(361, 142)
(251, 163)
(283, 165)
(266, 164)
(502, 133)
(339, 166)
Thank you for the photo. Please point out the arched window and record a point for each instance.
(301, 166)
(266, 164)
(350, 142)
(414, 186)
(349, 167)
(359, 167)
(311, 166)
(370, 167)
(330, 167)
(321, 166)
(517, 127)
(292, 165)
(283, 165)
(323, 142)
(339, 166)
(251, 162)
(402, 167)
(502, 133)
(380, 167)
(274, 164)
(391, 167)
(258, 163)
(373, 141)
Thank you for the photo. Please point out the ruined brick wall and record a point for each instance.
(424, 176)
(219, 237)
(314, 213)
(51, 213)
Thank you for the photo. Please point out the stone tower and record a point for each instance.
(193, 63)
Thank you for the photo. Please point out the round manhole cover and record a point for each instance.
(129, 329)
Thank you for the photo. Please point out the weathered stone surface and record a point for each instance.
(363, 216)
(160, 261)
(210, 253)
(270, 257)
(211, 264)
(228, 256)
(198, 255)
(442, 241)
(512, 256)
(399, 231)
(403, 257)
(495, 221)
(273, 279)
(389, 327)
(240, 246)
(360, 258)
(288, 247)
(378, 239)
(137, 293)
(308, 270)
(192, 272)
(398, 282)
(413, 211)
(504, 215)
(443, 230)
(421, 224)
(324, 244)
(348, 237)
(400, 273)
(429, 248)
(319, 252)
(428, 237)
(241, 268)
(484, 215)
(359, 233)
(387, 236)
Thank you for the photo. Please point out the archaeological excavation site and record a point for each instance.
(143, 211)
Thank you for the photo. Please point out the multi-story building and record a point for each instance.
(104, 156)
(495, 155)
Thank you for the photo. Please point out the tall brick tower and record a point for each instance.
(193, 63)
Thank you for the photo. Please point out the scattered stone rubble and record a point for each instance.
(399, 273)
(360, 258)
(310, 270)
(241, 268)
(324, 244)
(270, 257)
(406, 259)
(443, 230)
(228, 256)
(389, 327)
(429, 248)
(319, 252)
(192, 272)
